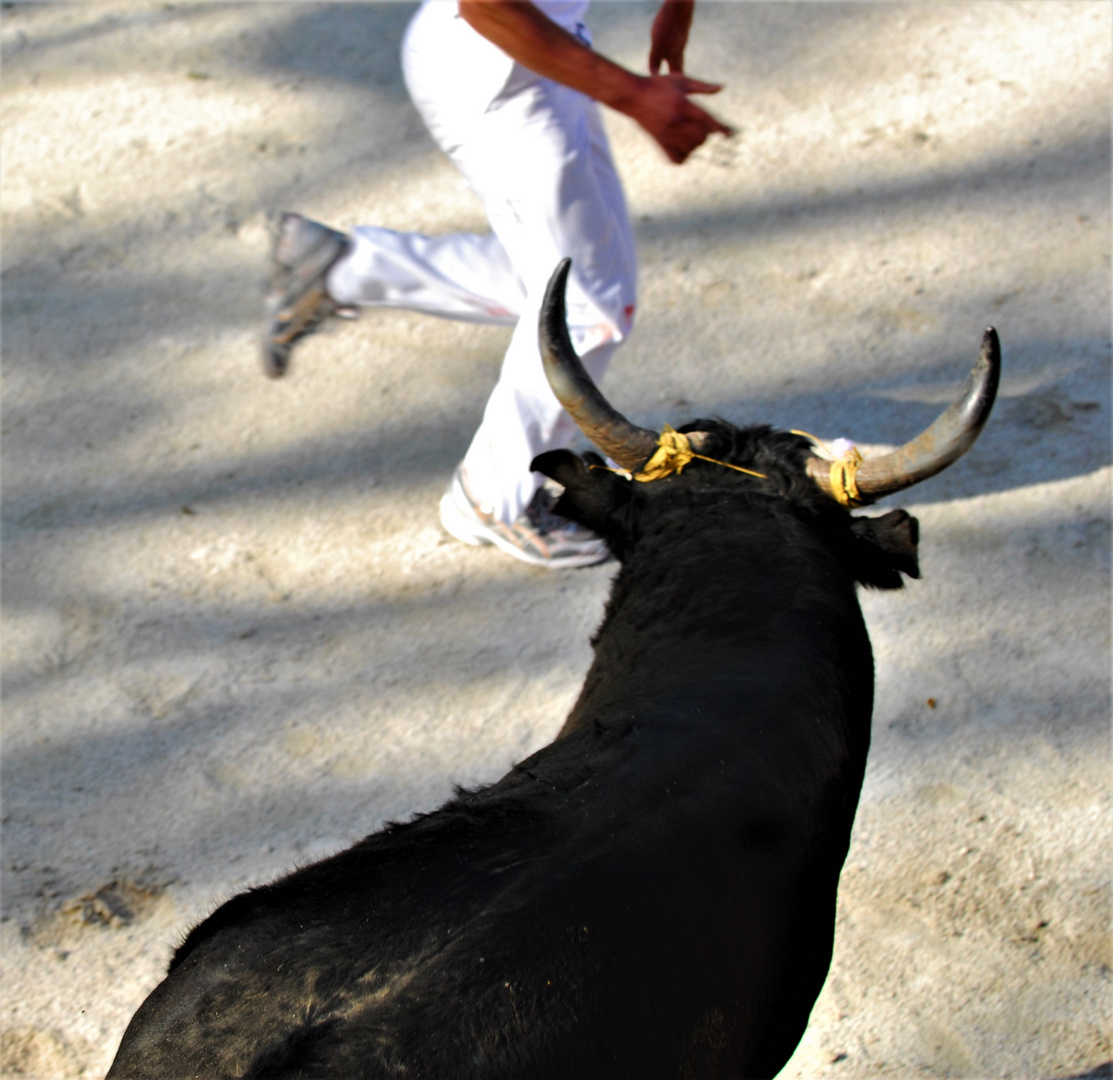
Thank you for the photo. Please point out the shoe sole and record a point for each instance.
(289, 318)
(475, 534)
(276, 355)
(460, 526)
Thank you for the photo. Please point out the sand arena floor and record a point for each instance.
(235, 638)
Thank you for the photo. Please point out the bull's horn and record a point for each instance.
(952, 434)
(607, 428)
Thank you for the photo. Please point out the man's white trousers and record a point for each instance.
(537, 156)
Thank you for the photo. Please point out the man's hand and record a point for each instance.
(670, 35)
(679, 125)
(663, 109)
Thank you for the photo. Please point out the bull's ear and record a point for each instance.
(562, 466)
(592, 493)
(886, 548)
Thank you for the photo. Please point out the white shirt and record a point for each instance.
(454, 69)
(569, 14)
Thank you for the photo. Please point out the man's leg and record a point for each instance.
(464, 276)
(319, 272)
(541, 165)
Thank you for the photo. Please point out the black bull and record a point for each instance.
(653, 893)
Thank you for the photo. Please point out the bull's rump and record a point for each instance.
(532, 929)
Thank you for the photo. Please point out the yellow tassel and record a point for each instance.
(844, 477)
(674, 451)
(844, 472)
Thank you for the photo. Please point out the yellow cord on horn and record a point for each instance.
(674, 451)
(844, 477)
(843, 474)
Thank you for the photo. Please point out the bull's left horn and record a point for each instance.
(952, 434)
(608, 429)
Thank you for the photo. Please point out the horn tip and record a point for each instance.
(989, 362)
(560, 274)
(552, 305)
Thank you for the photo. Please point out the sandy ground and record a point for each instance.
(235, 637)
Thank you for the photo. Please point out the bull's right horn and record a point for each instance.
(944, 442)
(608, 429)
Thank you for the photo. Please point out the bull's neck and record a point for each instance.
(728, 603)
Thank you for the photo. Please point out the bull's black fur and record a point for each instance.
(652, 894)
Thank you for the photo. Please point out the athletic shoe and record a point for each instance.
(539, 537)
(304, 252)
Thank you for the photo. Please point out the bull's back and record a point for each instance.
(597, 936)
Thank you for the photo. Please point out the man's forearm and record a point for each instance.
(659, 103)
(524, 33)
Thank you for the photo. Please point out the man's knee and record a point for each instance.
(607, 321)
